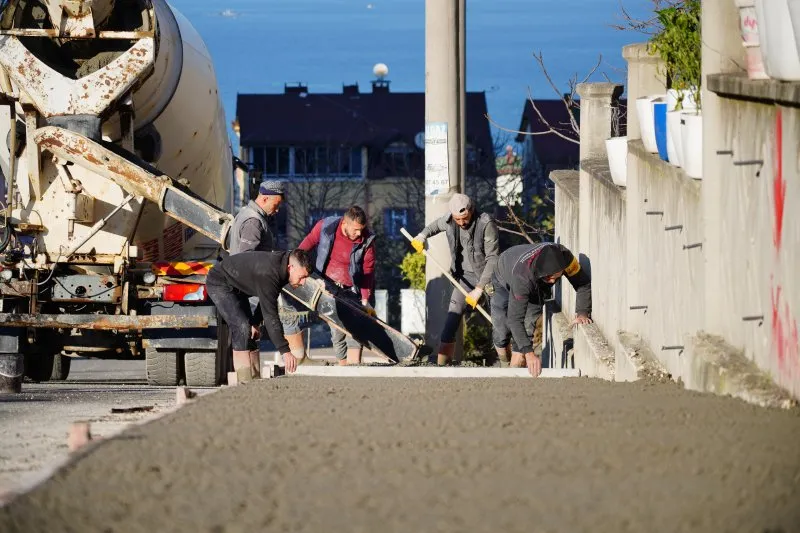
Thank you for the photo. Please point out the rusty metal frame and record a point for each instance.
(17, 288)
(106, 322)
(56, 34)
(54, 94)
(133, 178)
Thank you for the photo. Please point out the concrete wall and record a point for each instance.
(566, 228)
(756, 218)
(605, 252)
(665, 218)
(695, 277)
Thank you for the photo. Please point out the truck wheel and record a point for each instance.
(11, 371)
(203, 369)
(224, 349)
(162, 367)
(61, 366)
(39, 366)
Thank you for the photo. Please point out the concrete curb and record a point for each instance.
(593, 355)
(430, 372)
(711, 365)
(635, 360)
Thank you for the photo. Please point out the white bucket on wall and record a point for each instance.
(692, 141)
(794, 12)
(748, 27)
(674, 140)
(412, 311)
(617, 150)
(644, 113)
(776, 35)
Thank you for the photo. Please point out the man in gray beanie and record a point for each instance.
(474, 247)
(251, 232)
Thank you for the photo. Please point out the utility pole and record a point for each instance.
(445, 95)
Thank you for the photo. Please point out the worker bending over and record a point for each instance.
(251, 232)
(522, 281)
(473, 241)
(235, 279)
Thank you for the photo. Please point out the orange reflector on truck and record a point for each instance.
(185, 292)
(180, 268)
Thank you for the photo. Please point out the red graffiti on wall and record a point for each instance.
(778, 183)
(784, 334)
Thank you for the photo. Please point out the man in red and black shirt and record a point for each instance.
(346, 256)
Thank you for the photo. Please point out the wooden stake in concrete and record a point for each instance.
(183, 395)
(79, 436)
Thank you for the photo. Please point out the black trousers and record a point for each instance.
(234, 307)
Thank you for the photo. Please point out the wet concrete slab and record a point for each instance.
(368, 454)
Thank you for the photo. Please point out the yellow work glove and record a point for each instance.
(472, 302)
(418, 245)
(369, 309)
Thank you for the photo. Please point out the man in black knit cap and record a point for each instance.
(522, 281)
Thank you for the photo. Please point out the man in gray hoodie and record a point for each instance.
(472, 237)
(522, 281)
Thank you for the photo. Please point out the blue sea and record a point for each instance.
(258, 45)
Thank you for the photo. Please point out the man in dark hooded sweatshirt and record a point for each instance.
(522, 281)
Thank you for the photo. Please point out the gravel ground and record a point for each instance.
(35, 423)
(366, 455)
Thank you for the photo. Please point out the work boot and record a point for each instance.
(445, 355)
(242, 366)
(255, 363)
(503, 356)
(297, 347)
(354, 356)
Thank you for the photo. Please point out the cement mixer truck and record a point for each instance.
(117, 173)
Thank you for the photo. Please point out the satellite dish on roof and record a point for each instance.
(380, 70)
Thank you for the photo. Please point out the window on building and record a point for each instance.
(315, 215)
(257, 156)
(355, 161)
(305, 161)
(395, 218)
(327, 161)
(397, 158)
(277, 161)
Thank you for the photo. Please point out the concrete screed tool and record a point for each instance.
(448, 276)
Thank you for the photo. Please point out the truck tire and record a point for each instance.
(224, 349)
(162, 367)
(203, 369)
(39, 366)
(61, 366)
(11, 373)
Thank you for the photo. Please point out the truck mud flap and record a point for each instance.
(347, 315)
